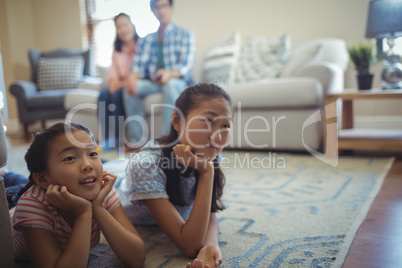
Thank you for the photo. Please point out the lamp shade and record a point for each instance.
(384, 19)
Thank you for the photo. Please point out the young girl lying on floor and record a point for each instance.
(69, 199)
(176, 181)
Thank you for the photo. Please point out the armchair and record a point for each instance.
(53, 75)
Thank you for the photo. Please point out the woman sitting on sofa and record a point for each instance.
(110, 103)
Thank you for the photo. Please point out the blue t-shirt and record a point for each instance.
(146, 180)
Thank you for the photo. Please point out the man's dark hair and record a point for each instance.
(153, 2)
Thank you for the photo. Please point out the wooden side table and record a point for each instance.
(349, 138)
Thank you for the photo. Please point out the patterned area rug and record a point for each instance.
(282, 210)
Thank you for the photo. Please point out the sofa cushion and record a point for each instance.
(59, 73)
(262, 57)
(305, 53)
(76, 97)
(294, 92)
(221, 58)
(50, 98)
(150, 100)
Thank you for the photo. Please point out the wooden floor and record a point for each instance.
(378, 243)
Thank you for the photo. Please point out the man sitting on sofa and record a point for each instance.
(163, 63)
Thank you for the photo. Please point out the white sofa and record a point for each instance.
(271, 114)
(283, 110)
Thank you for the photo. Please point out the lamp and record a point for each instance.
(385, 21)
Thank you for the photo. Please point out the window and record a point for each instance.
(104, 32)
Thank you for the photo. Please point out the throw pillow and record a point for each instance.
(302, 54)
(262, 57)
(221, 58)
(59, 73)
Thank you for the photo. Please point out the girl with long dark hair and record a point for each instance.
(110, 108)
(176, 182)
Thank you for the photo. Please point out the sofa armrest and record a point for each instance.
(23, 89)
(91, 82)
(329, 74)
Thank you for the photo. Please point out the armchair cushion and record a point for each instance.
(34, 56)
(59, 73)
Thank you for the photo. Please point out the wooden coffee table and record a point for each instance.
(348, 138)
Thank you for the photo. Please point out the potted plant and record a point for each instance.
(362, 57)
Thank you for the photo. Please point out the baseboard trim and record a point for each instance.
(378, 122)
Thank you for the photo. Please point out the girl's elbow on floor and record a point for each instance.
(191, 252)
(138, 262)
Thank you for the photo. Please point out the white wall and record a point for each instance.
(44, 24)
(57, 23)
(211, 19)
(345, 19)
